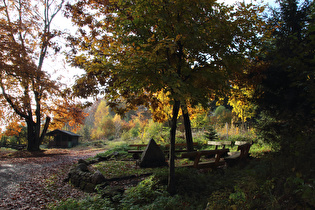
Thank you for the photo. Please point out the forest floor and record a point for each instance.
(32, 180)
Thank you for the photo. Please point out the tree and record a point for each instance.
(134, 49)
(25, 39)
(68, 113)
(222, 115)
(286, 95)
(103, 122)
(241, 102)
(15, 128)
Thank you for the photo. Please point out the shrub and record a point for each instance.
(211, 134)
(95, 202)
(122, 149)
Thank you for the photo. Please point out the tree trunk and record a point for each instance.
(34, 139)
(188, 134)
(44, 130)
(31, 136)
(171, 179)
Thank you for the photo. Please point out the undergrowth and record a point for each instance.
(268, 181)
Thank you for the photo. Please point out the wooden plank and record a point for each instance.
(208, 164)
(137, 145)
(218, 161)
(189, 154)
(237, 143)
(211, 164)
(226, 142)
(204, 152)
(212, 152)
(220, 143)
(135, 151)
(244, 150)
(242, 154)
(235, 155)
(214, 143)
(197, 159)
(181, 144)
(177, 151)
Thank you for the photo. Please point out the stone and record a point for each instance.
(89, 187)
(97, 178)
(83, 167)
(82, 161)
(152, 156)
(80, 176)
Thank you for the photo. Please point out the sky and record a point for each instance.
(271, 2)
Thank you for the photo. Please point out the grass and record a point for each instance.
(4, 149)
(6, 152)
(114, 168)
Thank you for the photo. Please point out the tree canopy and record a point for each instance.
(286, 95)
(189, 50)
(26, 88)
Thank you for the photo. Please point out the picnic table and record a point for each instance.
(138, 151)
(212, 163)
(220, 143)
(180, 147)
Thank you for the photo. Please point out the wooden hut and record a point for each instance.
(63, 139)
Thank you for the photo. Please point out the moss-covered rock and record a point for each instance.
(80, 176)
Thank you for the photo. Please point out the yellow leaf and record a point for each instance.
(178, 37)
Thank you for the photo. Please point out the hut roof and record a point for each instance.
(58, 131)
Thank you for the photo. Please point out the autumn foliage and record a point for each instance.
(26, 39)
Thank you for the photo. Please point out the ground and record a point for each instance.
(32, 180)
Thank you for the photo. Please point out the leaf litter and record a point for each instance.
(34, 180)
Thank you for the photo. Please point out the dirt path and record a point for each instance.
(23, 180)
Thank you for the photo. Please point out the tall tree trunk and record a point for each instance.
(44, 130)
(171, 179)
(31, 136)
(34, 139)
(188, 134)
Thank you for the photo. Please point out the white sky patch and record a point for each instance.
(270, 2)
(56, 65)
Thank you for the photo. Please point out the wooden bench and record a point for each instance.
(16, 146)
(136, 153)
(220, 143)
(214, 163)
(241, 154)
(238, 143)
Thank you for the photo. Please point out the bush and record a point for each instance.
(93, 203)
(152, 194)
(144, 193)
